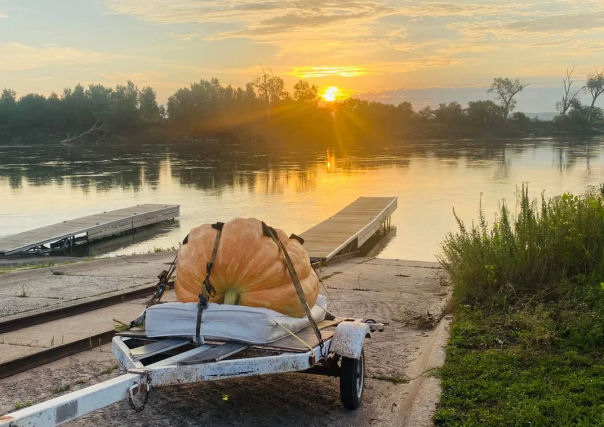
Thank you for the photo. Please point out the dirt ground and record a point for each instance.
(409, 296)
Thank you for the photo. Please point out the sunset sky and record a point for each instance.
(421, 51)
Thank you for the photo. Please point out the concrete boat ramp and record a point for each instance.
(409, 296)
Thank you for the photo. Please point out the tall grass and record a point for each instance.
(560, 239)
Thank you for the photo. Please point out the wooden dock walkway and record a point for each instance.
(88, 228)
(348, 229)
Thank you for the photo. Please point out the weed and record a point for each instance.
(544, 245)
(58, 273)
(391, 379)
(61, 389)
(23, 293)
(21, 405)
(109, 370)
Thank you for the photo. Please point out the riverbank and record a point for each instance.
(410, 296)
(527, 343)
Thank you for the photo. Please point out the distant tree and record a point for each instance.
(451, 114)
(305, 92)
(124, 107)
(54, 113)
(271, 89)
(568, 96)
(8, 104)
(100, 101)
(594, 87)
(8, 97)
(76, 109)
(405, 112)
(505, 89)
(426, 113)
(484, 114)
(31, 112)
(520, 122)
(578, 114)
(149, 110)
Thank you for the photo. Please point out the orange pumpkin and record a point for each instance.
(248, 270)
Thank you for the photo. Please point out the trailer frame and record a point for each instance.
(159, 362)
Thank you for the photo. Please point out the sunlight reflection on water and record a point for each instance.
(293, 191)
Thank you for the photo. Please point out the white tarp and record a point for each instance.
(253, 325)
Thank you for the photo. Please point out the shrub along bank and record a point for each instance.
(527, 343)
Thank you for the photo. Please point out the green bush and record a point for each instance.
(561, 240)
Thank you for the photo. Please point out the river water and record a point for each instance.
(47, 183)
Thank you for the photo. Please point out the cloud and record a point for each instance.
(308, 72)
(25, 57)
(560, 26)
(559, 23)
(259, 16)
(454, 41)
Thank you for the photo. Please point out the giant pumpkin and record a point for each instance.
(249, 268)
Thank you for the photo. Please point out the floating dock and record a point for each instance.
(87, 229)
(348, 229)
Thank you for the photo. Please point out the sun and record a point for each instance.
(330, 93)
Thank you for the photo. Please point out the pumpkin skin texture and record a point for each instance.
(249, 268)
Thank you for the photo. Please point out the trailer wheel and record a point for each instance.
(352, 380)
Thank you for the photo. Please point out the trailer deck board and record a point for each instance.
(353, 225)
(216, 353)
(92, 227)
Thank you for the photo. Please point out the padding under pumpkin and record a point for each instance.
(252, 325)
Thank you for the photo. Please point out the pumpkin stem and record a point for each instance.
(231, 296)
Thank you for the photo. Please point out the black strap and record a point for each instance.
(164, 283)
(207, 289)
(298, 238)
(270, 232)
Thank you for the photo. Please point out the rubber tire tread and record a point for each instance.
(348, 382)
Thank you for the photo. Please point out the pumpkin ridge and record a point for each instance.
(248, 269)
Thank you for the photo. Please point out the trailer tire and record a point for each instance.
(352, 381)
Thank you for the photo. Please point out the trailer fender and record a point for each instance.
(348, 339)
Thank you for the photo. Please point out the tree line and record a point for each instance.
(264, 110)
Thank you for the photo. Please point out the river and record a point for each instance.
(47, 183)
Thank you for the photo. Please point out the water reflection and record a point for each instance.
(43, 184)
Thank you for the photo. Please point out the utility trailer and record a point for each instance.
(157, 362)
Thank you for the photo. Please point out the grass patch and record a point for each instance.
(61, 389)
(23, 293)
(109, 370)
(21, 405)
(31, 266)
(494, 376)
(527, 342)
